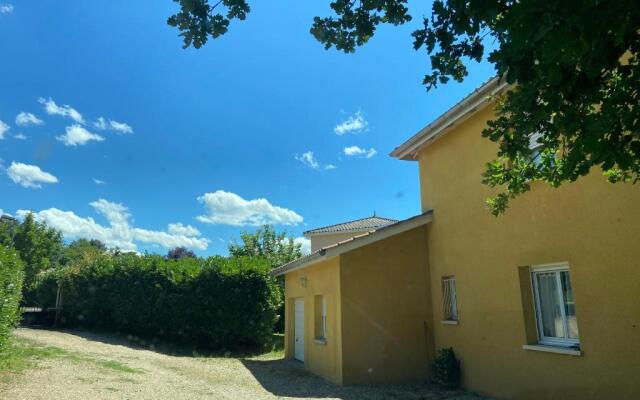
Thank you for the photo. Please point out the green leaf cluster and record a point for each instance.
(11, 278)
(198, 19)
(356, 22)
(276, 247)
(265, 242)
(39, 246)
(446, 368)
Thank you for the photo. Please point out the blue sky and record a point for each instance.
(212, 130)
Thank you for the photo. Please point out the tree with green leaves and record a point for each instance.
(265, 242)
(179, 253)
(11, 277)
(80, 248)
(8, 227)
(573, 66)
(275, 247)
(40, 247)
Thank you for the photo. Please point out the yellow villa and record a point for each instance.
(542, 302)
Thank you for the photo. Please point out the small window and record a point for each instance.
(555, 307)
(324, 317)
(449, 301)
(320, 317)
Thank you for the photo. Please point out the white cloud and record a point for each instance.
(115, 213)
(357, 151)
(20, 136)
(26, 118)
(4, 128)
(186, 230)
(73, 226)
(309, 160)
(120, 233)
(119, 127)
(76, 135)
(354, 124)
(6, 8)
(305, 244)
(99, 182)
(65, 110)
(170, 241)
(29, 176)
(101, 123)
(230, 209)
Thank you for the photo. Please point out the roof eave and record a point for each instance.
(345, 231)
(459, 113)
(354, 243)
(304, 263)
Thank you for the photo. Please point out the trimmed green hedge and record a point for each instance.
(11, 279)
(218, 303)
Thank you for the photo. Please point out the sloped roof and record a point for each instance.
(461, 111)
(358, 225)
(354, 243)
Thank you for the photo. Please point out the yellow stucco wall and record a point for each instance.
(386, 310)
(591, 224)
(323, 279)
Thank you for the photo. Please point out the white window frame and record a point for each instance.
(557, 268)
(450, 281)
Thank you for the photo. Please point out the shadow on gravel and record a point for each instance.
(288, 378)
(170, 349)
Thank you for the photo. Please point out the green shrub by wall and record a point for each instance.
(11, 279)
(218, 303)
(446, 368)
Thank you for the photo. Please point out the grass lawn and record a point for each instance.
(23, 354)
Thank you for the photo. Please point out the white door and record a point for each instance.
(298, 329)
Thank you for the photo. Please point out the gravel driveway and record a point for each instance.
(90, 366)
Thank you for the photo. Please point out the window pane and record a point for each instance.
(550, 305)
(454, 301)
(449, 303)
(569, 305)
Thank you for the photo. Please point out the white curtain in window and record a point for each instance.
(550, 305)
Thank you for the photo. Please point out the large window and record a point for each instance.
(555, 307)
(449, 300)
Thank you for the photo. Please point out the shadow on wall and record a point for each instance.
(288, 378)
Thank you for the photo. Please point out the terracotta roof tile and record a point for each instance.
(364, 224)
